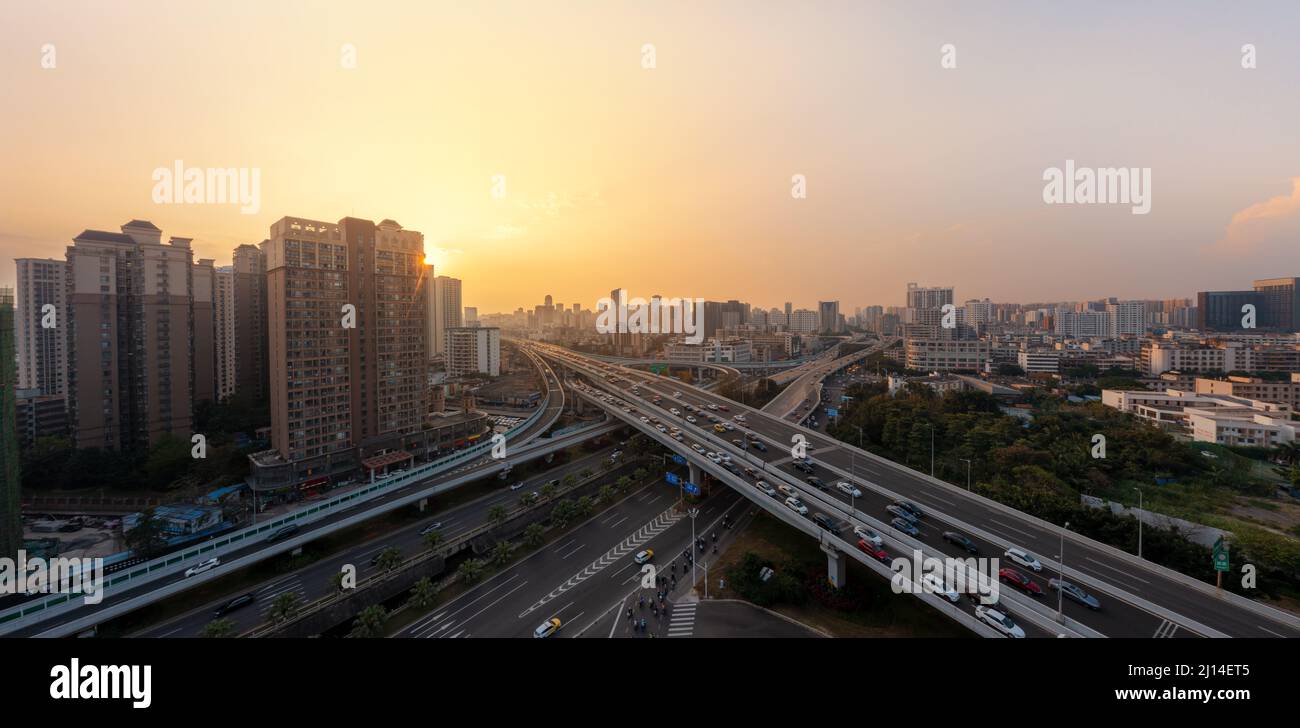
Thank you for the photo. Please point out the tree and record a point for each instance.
(527, 499)
(389, 559)
(623, 483)
(432, 540)
(168, 460)
(606, 493)
(497, 514)
(218, 628)
(585, 473)
(639, 474)
(501, 553)
(533, 535)
(147, 538)
(423, 594)
(370, 622)
(285, 607)
(548, 491)
(470, 570)
(569, 480)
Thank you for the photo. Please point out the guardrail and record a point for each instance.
(154, 568)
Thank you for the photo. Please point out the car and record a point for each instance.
(1074, 593)
(826, 522)
(906, 527)
(796, 505)
(677, 395)
(719, 429)
(868, 535)
(520, 484)
(873, 551)
(816, 482)
(902, 513)
(935, 584)
(910, 507)
(804, 467)
(787, 490)
(738, 443)
(696, 447)
(674, 411)
(678, 436)
(759, 446)
(547, 628)
(283, 533)
(751, 472)
(765, 488)
(691, 419)
(999, 621)
(713, 457)
(1024, 558)
(724, 408)
(959, 539)
(645, 419)
(432, 527)
(208, 565)
(848, 489)
(1020, 579)
(643, 557)
(713, 406)
(243, 600)
(726, 456)
(661, 428)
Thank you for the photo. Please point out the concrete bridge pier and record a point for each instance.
(834, 565)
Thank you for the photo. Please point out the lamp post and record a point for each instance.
(967, 461)
(1139, 490)
(1060, 583)
(694, 561)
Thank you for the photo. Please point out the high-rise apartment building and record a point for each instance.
(130, 338)
(346, 304)
(11, 527)
(204, 327)
(473, 349)
(828, 313)
(42, 358)
(1281, 302)
(252, 359)
(223, 319)
(921, 297)
(1127, 318)
(1082, 324)
(445, 309)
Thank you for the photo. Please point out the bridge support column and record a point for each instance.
(696, 473)
(834, 565)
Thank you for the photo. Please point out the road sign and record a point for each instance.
(1221, 561)
(692, 488)
(679, 459)
(832, 412)
(672, 478)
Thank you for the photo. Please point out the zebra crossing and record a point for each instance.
(683, 620)
(1166, 629)
(628, 545)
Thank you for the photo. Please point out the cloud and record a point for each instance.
(1263, 222)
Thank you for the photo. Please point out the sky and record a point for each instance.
(541, 152)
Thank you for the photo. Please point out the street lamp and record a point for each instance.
(1060, 583)
(694, 561)
(967, 461)
(1139, 490)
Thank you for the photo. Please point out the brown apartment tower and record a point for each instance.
(343, 377)
(251, 357)
(130, 337)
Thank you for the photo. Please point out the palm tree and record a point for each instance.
(605, 494)
(497, 514)
(337, 580)
(569, 480)
(624, 482)
(432, 540)
(585, 473)
(285, 607)
(389, 559)
(423, 594)
(501, 553)
(639, 474)
(370, 622)
(533, 535)
(548, 491)
(527, 499)
(470, 570)
(223, 627)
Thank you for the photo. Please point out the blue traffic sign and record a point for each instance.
(832, 412)
(679, 459)
(692, 488)
(672, 478)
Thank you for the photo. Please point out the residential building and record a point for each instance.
(41, 341)
(945, 355)
(473, 350)
(251, 349)
(445, 310)
(11, 526)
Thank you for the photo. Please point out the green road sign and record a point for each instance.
(1221, 561)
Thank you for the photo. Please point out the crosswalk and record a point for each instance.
(1166, 629)
(628, 545)
(683, 620)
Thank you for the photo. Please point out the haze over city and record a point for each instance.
(661, 179)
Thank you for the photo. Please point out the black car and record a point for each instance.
(816, 482)
(826, 522)
(243, 600)
(804, 466)
(961, 540)
(910, 507)
(283, 533)
(759, 446)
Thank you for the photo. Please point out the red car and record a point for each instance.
(879, 554)
(1017, 578)
(724, 408)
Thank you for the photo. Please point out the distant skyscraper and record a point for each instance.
(920, 297)
(11, 527)
(446, 308)
(203, 289)
(471, 316)
(828, 313)
(129, 337)
(252, 358)
(1281, 302)
(1222, 310)
(223, 313)
(42, 358)
(1127, 318)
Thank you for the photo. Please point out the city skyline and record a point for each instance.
(654, 165)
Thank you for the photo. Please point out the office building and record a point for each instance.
(1280, 302)
(828, 313)
(40, 415)
(42, 359)
(946, 355)
(130, 341)
(1222, 310)
(473, 350)
(921, 297)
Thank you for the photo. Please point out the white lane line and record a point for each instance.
(563, 546)
(1011, 528)
(492, 604)
(1266, 629)
(1117, 571)
(615, 524)
(418, 627)
(180, 628)
(580, 547)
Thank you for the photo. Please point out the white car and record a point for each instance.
(713, 406)
(999, 621)
(675, 412)
(691, 419)
(730, 427)
(645, 419)
(1024, 558)
(696, 447)
(644, 556)
(796, 505)
(713, 456)
(661, 428)
(677, 395)
(547, 628)
(848, 489)
(208, 565)
(787, 490)
(866, 534)
(935, 584)
(725, 457)
(517, 486)
(765, 488)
